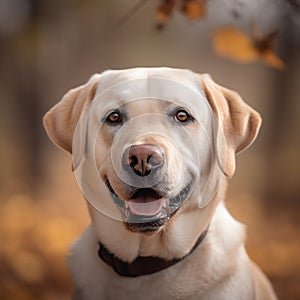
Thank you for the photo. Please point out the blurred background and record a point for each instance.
(48, 47)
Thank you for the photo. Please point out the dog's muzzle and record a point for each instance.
(149, 180)
(148, 209)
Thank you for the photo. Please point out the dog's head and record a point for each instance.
(149, 142)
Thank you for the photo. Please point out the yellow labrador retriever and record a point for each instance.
(151, 150)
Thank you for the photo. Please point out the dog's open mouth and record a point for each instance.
(145, 202)
(147, 210)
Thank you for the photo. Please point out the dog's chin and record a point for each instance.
(147, 210)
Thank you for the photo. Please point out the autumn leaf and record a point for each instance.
(194, 9)
(264, 46)
(273, 60)
(236, 45)
(165, 9)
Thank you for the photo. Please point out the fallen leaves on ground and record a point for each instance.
(36, 232)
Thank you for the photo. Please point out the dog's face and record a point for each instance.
(148, 174)
(148, 143)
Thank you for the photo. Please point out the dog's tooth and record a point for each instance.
(166, 203)
(127, 204)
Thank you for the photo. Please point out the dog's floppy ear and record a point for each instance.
(60, 121)
(239, 122)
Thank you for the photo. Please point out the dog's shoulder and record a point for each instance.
(226, 232)
(84, 263)
(263, 287)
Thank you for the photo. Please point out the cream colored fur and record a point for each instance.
(219, 268)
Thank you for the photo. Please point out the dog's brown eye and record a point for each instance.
(182, 116)
(114, 117)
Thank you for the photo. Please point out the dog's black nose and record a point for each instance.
(143, 159)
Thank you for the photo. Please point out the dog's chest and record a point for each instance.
(184, 280)
(173, 283)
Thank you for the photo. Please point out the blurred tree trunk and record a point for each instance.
(283, 182)
(20, 74)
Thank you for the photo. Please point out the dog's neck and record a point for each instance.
(173, 241)
(142, 265)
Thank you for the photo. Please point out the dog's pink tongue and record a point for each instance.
(145, 206)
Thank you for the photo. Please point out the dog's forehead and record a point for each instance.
(150, 106)
(112, 78)
(120, 87)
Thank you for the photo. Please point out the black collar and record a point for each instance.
(142, 265)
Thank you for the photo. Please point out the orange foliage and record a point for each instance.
(36, 233)
(165, 9)
(229, 42)
(192, 9)
(235, 44)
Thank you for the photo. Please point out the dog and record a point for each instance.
(152, 149)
